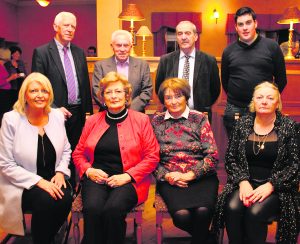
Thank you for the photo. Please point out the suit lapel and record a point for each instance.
(198, 65)
(111, 64)
(175, 59)
(56, 58)
(132, 69)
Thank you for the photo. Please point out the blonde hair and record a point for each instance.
(21, 104)
(175, 84)
(113, 77)
(4, 54)
(265, 84)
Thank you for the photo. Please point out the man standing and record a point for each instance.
(247, 62)
(65, 66)
(199, 68)
(136, 70)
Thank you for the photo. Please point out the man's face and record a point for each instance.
(246, 28)
(65, 30)
(121, 47)
(186, 38)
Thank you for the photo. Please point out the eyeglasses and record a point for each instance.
(36, 91)
(177, 97)
(109, 93)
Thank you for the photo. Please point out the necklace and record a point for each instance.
(260, 143)
(116, 118)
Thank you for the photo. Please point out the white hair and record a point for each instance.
(115, 34)
(59, 17)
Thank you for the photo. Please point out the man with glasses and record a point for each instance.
(136, 70)
(197, 67)
(247, 62)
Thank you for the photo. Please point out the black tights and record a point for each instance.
(249, 224)
(195, 221)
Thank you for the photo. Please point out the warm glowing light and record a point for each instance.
(43, 3)
(216, 15)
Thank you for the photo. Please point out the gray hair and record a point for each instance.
(59, 17)
(115, 34)
(187, 22)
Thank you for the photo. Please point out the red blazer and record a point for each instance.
(138, 146)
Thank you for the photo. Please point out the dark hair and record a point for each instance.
(92, 48)
(14, 49)
(244, 10)
(175, 84)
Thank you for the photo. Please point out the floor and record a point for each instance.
(172, 235)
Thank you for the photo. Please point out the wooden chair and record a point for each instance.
(76, 214)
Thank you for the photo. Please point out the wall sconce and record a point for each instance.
(131, 13)
(290, 16)
(216, 15)
(144, 32)
(43, 3)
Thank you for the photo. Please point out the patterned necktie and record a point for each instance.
(186, 68)
(70, 77)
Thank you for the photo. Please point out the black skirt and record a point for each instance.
(199, 193)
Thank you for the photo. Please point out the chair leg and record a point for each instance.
(138, 226)
(76, 230)
(159, 230)
(221, 236)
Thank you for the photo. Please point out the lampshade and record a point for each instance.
(144, 31)
(291, 14)
(131, 12)
(43, 3)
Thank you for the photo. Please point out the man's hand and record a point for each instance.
(66, 112)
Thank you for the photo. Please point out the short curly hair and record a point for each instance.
(112, 77)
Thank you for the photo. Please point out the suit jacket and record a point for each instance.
(18, 162)
(46, 60)
(206, 83)
(138, 76)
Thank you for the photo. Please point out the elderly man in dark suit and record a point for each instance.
(65, 66)
(136, 70)
(199, 68)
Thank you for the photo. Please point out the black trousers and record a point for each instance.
(249, 224)
(48, 214)
(104, 212)
(74, 126)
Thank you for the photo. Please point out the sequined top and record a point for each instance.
(284, 176)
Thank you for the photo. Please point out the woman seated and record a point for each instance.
(186, 176)
(262, 164)
(115, 157)
(34, 159)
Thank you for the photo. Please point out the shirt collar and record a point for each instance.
(118, 62)
(185, 114)
(59, 45)
(192, 54)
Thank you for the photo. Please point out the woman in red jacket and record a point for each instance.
(115, 156)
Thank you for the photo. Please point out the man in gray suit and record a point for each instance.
(136, 70)
(202, 71)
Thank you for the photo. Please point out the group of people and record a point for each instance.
(116, 150)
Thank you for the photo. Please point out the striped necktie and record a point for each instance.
(186, 68)
(70, 77)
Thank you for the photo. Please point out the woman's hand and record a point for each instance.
(261, 193)
(245, 192)
(59, 180)
(180, 179)
(118, 180)
(51, 188)
(97, 175)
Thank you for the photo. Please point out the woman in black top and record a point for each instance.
(262, 163)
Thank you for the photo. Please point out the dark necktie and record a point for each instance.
(70, 77)
(186, 68)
